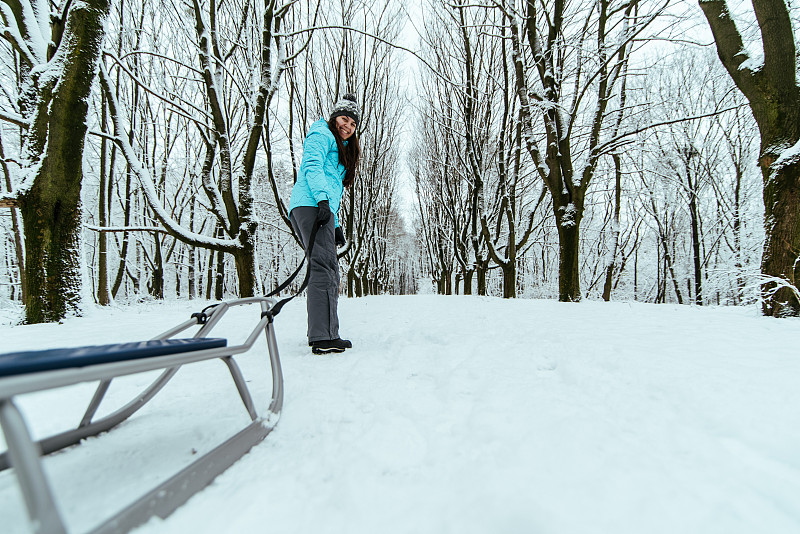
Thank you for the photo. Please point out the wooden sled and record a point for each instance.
(34, 371)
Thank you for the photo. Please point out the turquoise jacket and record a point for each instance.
(321, 175)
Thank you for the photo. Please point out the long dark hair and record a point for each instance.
(349, 156)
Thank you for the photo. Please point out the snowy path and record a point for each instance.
(464, 415)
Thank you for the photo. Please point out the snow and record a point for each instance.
(455, 414)
(789, 155)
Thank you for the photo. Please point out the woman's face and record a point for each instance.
(346, 126)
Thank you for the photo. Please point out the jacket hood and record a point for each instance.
(322, 126)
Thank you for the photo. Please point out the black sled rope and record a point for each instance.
(202, 316)
(275, 310)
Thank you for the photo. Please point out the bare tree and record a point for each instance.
(562, 81)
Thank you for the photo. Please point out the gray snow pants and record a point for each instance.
(323, 278)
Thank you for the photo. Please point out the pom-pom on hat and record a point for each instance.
(348, 107)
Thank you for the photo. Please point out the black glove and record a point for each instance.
(324, 213)
(340, 242)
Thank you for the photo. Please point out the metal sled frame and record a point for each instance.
(24, 454)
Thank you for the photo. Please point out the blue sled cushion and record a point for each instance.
(17, 363)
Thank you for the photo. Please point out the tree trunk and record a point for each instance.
(123, 255)
(510, 280)
(192, 253)
(482, 268)
(607, 286)
(51, 208)
(780, 259)
(569, 289)
(219, 283)
(668, 267)
(350, 282)
(210, 274)
(468, 275)
(156, 285)
(102, 239)
(16, 227)
(246, 270)
(695, 223)
(737, 237)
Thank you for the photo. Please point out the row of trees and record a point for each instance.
(558, 150)
(591, 130)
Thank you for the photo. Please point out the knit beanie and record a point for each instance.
(348, 107)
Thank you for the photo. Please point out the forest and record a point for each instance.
(617, 150)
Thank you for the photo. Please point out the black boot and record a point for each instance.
(346, 342)
(330, 345)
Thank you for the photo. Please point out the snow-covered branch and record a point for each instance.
(115, 229)
(146, 181)
(13, 118)
(25, 32)
(7, 201)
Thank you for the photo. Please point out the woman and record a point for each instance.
(330, 159)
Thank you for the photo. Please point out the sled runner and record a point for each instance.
(34, 371)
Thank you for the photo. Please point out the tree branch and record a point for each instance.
(13, 118)
(114, 229)
(730, 46)
(778, 39)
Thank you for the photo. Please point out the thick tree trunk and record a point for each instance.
(481, 269)
(156, 285)
(568, 215)
(350, 282)
(510, 280)
(569, 288)
(782, 246)
(468, 275)
(246, 271)
(51, 211)
(51, 208)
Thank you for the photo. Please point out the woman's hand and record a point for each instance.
(324, 213)
(340, 242)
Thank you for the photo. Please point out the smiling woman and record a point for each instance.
(330, 158)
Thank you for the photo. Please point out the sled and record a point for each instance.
(35, 371)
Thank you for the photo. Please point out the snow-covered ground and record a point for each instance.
(456, 415)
